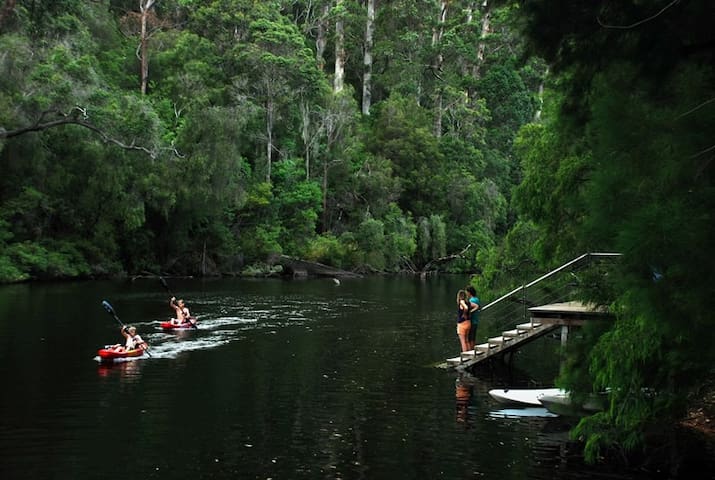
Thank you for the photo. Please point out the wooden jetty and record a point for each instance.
(567, 315)
(544, 319)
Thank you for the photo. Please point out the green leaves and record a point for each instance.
(187, 70)
(240, 138)
(618, 165)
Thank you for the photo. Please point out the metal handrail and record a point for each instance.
(523, 288)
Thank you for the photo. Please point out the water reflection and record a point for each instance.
(129, 370)
(294, 380)
(521, 412)
(463, 394)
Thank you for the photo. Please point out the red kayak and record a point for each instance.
(177, 326)
(111, 354)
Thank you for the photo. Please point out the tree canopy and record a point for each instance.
(204, 138)
(623, 162)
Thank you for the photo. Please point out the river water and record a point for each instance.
(283, 380)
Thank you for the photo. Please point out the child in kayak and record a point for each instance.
(133, 340)
(182, 312)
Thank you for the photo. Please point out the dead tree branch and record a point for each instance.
(445, 259)
(77, 116)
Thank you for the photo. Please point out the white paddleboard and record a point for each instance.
(522, 396)
(521, 412)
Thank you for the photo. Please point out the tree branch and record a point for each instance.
(447, 258)
(627, 27)
(77, 116)
(698, 107)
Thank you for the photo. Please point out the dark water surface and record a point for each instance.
(283, 380)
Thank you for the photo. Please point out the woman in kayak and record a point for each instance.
(182, 312)
(133, 340)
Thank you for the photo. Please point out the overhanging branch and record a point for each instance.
(77, 116)
(445, 259)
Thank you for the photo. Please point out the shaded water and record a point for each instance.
(283, 379)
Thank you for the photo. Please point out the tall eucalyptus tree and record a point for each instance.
(437, 65)
(367, 57)
(145, 7)
(275, 65)
(340, 54)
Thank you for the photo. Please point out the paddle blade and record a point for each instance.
(166, 285)
(110, 311)
(107, 307)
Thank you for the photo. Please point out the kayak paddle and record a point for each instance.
(163, 282)
(110, 310)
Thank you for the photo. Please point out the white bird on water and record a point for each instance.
(336, 281)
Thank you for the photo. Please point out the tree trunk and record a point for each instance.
(486, 28)
(144, 7)
(324, 226)
(437, 67)
(339, 80)
(322, 40)
(537, 114)
(305, 133)
(466, 67)
(270, 107)
(367, 58)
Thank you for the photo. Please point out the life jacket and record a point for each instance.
(134, 342)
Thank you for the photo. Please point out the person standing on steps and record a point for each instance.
(475, 307)
(463, 322)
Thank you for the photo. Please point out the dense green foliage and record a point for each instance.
(623, 162)
(241, 148)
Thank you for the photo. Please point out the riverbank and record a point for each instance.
(701, 415)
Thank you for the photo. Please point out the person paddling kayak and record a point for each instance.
(132, 342)
(182, 312)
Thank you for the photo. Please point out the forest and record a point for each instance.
(205, 137)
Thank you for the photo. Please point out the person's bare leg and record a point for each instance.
(463, 342)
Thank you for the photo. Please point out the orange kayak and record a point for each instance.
(174, 326)
(111, 354)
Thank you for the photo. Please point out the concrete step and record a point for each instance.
(485, 347)
(471, 354)
(499, 340)
(508, 339)
(468, 355)
(528, 326)
(454, 361)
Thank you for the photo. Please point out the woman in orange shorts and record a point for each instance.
(463, 322)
